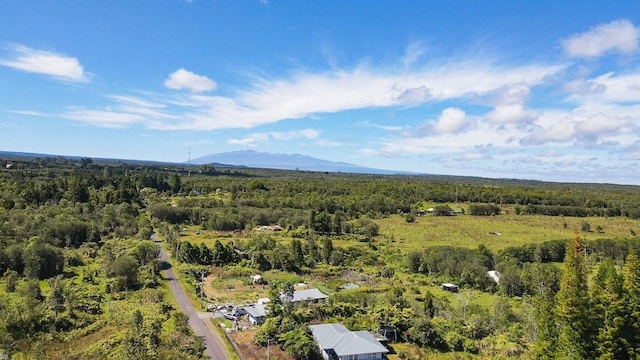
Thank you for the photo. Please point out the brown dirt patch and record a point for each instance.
(248, 350)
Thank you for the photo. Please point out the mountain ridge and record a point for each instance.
(257, 159)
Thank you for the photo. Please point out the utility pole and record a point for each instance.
(177, 247)
(456, 193)
(202, 288)
(269, 349)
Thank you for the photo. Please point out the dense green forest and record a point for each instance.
(81, 278)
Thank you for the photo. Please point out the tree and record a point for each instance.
(296, 251)
(609, 313)
(134, 342)
(327, 249)
(414, 261)
(56, 298)
(175, 183)
(631, 287)
(126, 269)
(576, 334)
(42, 260)
(424, 334)
(442, 210)
(300, 343)
(146, 251)
(221, 254)
(11, 279)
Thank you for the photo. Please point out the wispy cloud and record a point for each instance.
(185, 79)
(306, 94)
(104, 118)
(250, 140)
(255, 138)
(413, 53)
(617, 36)
(295, 134)
(379, 126)
(58, 66)
(28, 112)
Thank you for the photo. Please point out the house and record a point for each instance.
(256, 314)
(336, 342)
(306, 295)
(450, 287)
(257, 279)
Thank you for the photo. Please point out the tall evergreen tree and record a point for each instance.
(631, 288)
(575, 334)
(609, 313)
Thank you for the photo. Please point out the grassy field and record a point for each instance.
(495, 232)
(471, 231)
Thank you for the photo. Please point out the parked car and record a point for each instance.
(230, 317)
(212, 307)
(239, 311)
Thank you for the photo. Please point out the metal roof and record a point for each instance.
(305, 295)
(343, 342)
(256, 311)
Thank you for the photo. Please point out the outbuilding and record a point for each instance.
(450, 287)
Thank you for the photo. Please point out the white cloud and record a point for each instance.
(185, 79)
(255, 138)
(483, 134)
(617, 36)
(28, 112)
(609, 87)
(379, 126)
(296, 134)
(600, 125)
(509, 105)
(59, 66)
(103, 118)
(451, 120)
(307, 94)
(250, 141)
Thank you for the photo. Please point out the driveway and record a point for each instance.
(215, 346)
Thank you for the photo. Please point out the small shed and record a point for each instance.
(450, 287)
(257, 279)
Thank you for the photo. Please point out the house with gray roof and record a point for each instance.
(306, 295)
(256, 314)
(336, 342)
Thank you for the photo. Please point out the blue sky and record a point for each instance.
(546, 90)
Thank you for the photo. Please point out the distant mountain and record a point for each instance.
(256, 159)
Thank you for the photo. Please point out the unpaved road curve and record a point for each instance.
(215, 346)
